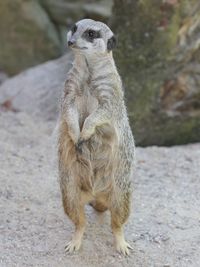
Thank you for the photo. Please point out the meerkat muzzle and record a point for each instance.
(70, 43)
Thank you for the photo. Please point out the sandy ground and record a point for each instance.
(164, 227)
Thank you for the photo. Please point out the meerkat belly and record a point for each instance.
(100, 147)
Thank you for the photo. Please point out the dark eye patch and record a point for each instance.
(90, 35)
(74, 28)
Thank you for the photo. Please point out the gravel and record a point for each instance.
(164, 227)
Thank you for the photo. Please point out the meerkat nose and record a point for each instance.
(70, 43)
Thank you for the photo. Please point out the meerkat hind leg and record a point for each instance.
(76, 241)
(79, 221)
(121, 245)
(118, 218)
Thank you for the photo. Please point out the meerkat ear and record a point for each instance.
(111, 44)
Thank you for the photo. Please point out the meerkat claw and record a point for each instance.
(124, 248)
(72, 246)
(79, 146)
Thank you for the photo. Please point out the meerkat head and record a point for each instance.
(91, 37)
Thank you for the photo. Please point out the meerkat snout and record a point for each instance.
(70, 43)
(91, 37)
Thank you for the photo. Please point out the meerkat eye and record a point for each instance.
(91, 33)
(74, 29)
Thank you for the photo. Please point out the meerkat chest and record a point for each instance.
(86, 103)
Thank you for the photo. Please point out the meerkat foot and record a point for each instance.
(75, 243)
(123, 247)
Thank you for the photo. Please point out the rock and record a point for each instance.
(3, 77)
(99, 11)
(67, 12)
(28, 36)
(158, 57)
(37, 90)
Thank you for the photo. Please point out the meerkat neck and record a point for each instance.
(79, 60)
(97, 68)
(102, 64)
(98, 60)
(92, 62)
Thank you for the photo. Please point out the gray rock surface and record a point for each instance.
(163, 228)
(67, 12)
(158, 56)
(3, 77)
(37, 90)
(28, 36)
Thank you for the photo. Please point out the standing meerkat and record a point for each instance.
(95, 144)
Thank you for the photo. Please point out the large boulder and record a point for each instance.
(3, 77)
(37, 90)
(158, 57)
(66, 12)
(28, 36)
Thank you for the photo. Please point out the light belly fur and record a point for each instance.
(93, 169)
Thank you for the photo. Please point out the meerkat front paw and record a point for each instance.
(79, 145)
(88, 130)
(74, 136)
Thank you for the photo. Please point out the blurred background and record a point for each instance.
(158, 57)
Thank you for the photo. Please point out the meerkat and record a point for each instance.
(95, 142)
